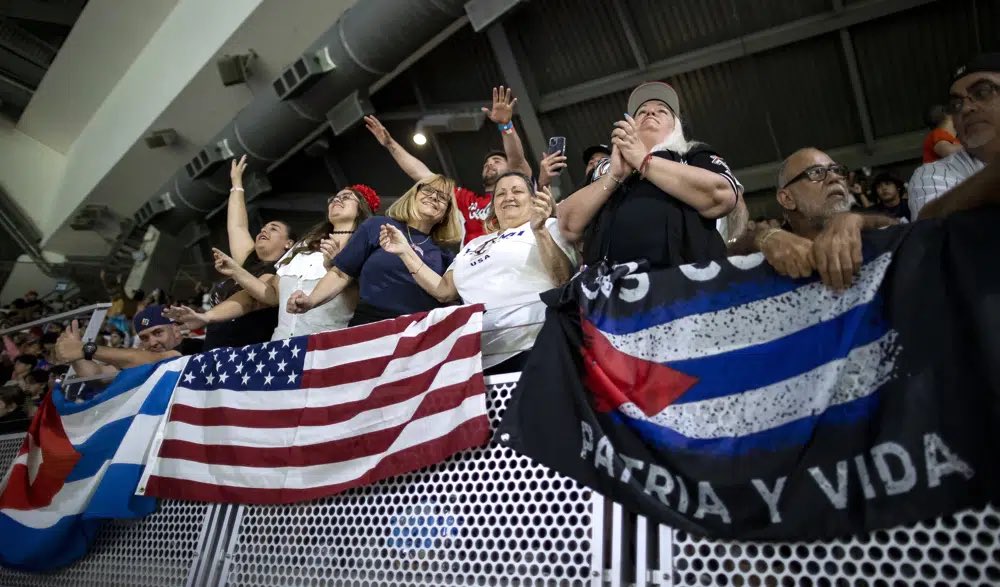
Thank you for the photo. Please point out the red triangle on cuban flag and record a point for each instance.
(616, 378)
(43, 463)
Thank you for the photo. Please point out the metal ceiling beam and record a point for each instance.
(901, 147)
(628, 28)
(854, 74)
(14, 92)
(439, 108)
(26, 45)
(772, 38)
(63, 13)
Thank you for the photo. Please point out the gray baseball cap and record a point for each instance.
(654, 91)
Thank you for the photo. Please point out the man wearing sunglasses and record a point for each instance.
(974, 104)
(819, 233)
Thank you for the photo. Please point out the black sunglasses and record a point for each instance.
(980, 92)
(818, 173)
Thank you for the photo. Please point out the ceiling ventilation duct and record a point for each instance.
(353, 53)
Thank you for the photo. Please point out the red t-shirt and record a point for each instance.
(474, 208)
(934, 137)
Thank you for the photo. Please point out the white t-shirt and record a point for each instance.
(504, 271)
(303, 272)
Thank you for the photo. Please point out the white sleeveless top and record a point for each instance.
(303, 272)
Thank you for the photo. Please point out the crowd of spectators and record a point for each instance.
(651, 192)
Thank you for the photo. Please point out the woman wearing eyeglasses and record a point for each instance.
(521, 255)
(427, 217)
(300, 269)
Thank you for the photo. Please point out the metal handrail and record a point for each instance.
(56, 318)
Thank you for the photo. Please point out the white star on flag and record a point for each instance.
(197, 358)
(210, 379)
(239, 367)
(260, 367)
(232, 356)
(222, 377)
(188, 377)
(281, 366)
(285, 343)
(267, 379)
(203, 367)
(245, 379)
(291, 377)
(271, 353)
(252, 354)
(295, 352)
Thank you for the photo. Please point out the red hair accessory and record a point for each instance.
(370, 195)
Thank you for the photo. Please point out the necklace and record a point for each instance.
(341, 232)
(416, 246)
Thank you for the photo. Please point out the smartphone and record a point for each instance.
(557, 145)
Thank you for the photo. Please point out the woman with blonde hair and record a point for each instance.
(521, 255)
(427, 217)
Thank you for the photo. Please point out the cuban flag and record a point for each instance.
(79, 466)
(726, 400)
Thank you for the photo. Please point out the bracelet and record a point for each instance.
(614, 179)
(418, 269)
(645, 164)
(762, 238)
(506, 126)
(236, 190)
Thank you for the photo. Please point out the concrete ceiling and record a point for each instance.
(277, 32)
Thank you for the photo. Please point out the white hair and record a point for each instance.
(675, 141)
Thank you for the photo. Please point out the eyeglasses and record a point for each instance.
(980, 92)
(818, 173)
(342, 198)
(439, 196)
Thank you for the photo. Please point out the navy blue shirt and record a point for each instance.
(385, 282)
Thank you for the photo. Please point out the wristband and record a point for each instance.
(645, 164)
(236, 190)
(506, 128)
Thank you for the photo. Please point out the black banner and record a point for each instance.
(727, 401)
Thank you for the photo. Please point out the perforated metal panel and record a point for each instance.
(958, 550)
(159, 550)
(484, 517)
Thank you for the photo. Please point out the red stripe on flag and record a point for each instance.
(406, 346)
(471, 434)
(382, 395)
(339, 338)
(344, 449)
(57, 456)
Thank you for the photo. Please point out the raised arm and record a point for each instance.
(580, 208)
(556, 263)
(264, 289)
(237, 222)
(502, 113)
(442, 288)
(333, 283)
(410, 165)
(234, 306)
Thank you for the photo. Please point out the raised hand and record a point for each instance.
(620, 168)
(541, 208)
(330, 248)
(224, 264)
(378, 131)
(298, 303)
(626, 137)
(236, 169)
(503, 106)
(187, 317)
(391, 240)
(550, 167)
(69, 346)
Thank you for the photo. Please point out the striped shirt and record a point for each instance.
(933, 180)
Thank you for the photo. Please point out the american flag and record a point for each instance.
(311, 416)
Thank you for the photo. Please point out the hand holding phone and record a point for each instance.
(557, 145)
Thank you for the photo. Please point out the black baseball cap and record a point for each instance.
(982, 62)
(589, 151)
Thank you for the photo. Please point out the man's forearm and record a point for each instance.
(126, 358)
(874, 221)
(514, 150)
(746, 243)
(85, 368)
